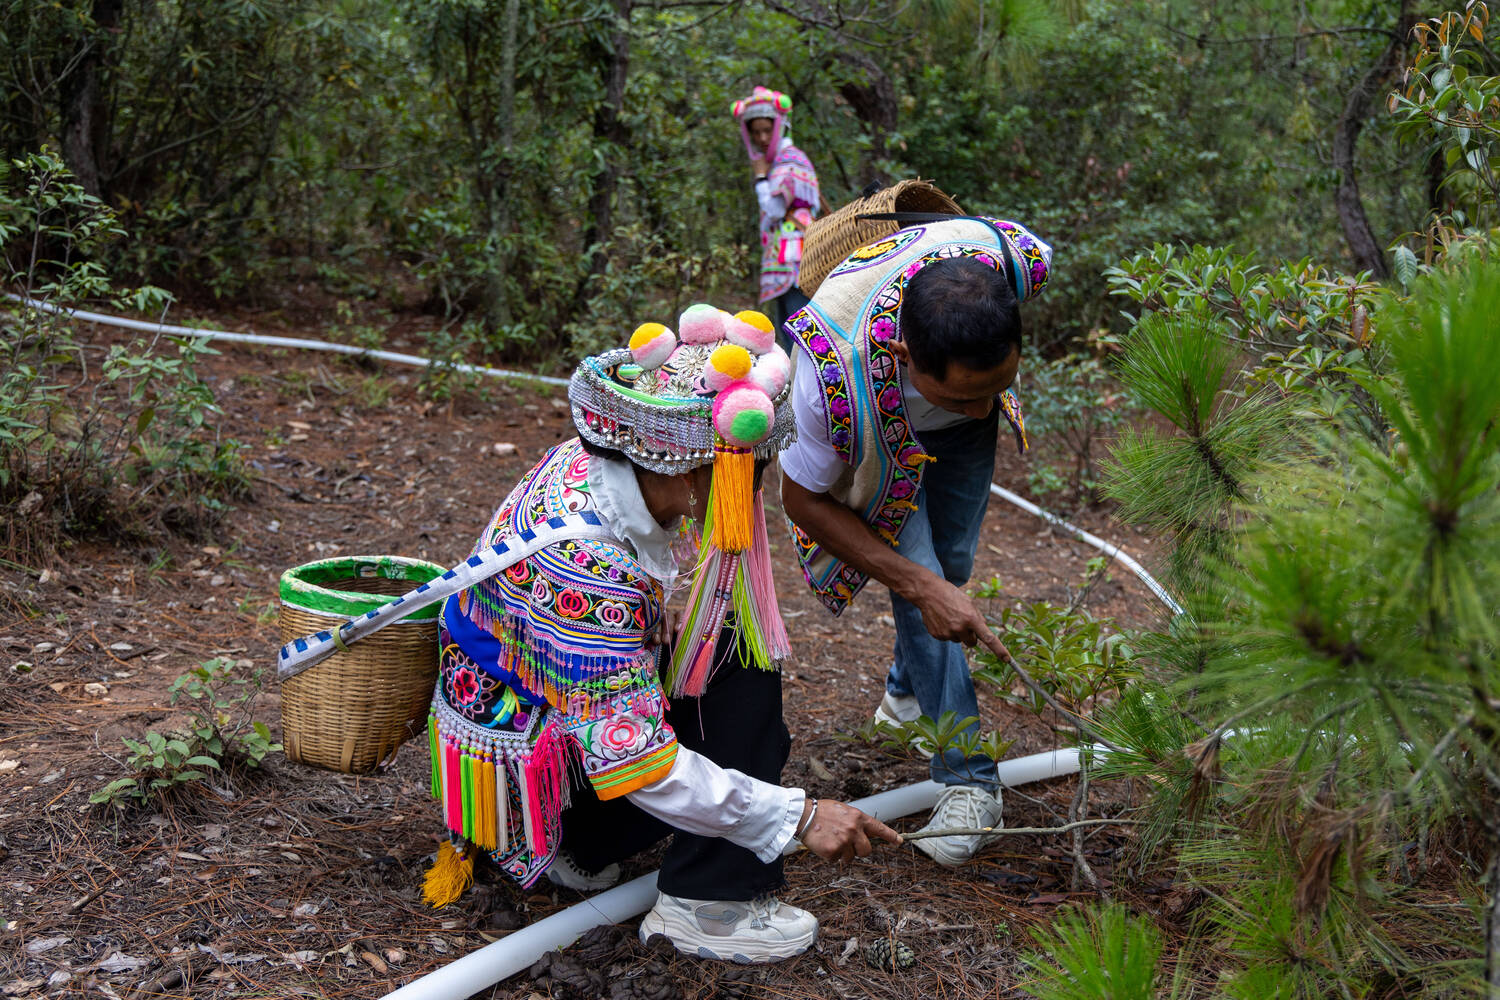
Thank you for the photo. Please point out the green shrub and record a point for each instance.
(220, 736)
(93, 437)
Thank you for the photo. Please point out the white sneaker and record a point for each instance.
(751, 932)
(894, 709)
(898, 708)
(564, 871)
(966, 807)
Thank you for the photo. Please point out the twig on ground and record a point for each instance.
(1013, 831)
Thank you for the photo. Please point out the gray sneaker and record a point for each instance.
(564, 871)
(965, 807)
(763, 929)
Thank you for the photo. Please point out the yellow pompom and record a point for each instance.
(731, 360)
(644, 334)
(759, 320)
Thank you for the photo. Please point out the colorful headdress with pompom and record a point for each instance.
(763, 102)
(715, 391)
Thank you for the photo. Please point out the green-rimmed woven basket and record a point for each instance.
(352, 711)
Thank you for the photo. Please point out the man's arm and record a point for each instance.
(947, 612)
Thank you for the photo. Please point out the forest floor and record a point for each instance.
(300, 882)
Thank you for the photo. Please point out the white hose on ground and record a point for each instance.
(270, 341)
(516, 952)
(1108, 548)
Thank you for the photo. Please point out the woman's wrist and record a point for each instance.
(809, 810)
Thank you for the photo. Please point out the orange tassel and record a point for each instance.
(733, 498)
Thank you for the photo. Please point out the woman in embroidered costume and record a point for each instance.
(786, 187)
(560, 659)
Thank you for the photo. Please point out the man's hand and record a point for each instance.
(758, 166)
(839, 832)
(949, 614)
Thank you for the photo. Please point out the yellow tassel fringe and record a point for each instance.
(733, 498)
(449, 877)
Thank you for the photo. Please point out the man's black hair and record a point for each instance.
(962, 311)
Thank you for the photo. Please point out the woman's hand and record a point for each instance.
(666, 629)
(839, 832)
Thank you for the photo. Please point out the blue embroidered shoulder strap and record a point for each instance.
(299, 654)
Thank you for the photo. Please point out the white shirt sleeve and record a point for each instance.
(773, 206)
(811, 461)
(698, 796)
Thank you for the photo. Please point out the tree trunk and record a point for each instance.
(874, 101)
(83, 115)
(497, 299)
(610, 134)
(1362, 243)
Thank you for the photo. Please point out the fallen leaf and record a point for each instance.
(121, 962)
(43, 945)
(375, 962)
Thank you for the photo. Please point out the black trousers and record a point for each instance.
(783, 307)
(736, 724)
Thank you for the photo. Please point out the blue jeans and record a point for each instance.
(941, 534)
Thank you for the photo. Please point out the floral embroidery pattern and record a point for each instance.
(879, 251)
(868, 410)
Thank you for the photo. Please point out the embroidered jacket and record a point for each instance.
(552, 659)
(845, 332)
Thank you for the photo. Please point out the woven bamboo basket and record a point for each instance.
(836, 235)
(352, 711)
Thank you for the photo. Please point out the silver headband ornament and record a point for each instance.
(671, 402)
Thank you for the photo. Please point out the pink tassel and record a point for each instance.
(453, 803)
(546, 775)
(693, 680)
(763, 589)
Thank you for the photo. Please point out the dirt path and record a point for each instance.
(299, 882)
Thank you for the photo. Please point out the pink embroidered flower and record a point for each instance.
(838, 406)
(518, 572)
(883, 329)
(890, 399)
(614, 614)
(621, 737)
(572, 603)
(901, 489)
(819, 344)
(581, 558)
(913, 268)
(465, 686)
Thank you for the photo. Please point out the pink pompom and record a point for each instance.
(757, 338)
(701, 324)
(771, 372)
(743, 415)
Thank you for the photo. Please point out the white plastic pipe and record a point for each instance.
(516, 952)
(1108, 548)
(270, 341)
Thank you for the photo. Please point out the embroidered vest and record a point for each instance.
(845, 332)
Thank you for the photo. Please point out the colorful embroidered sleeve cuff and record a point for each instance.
(626, 750)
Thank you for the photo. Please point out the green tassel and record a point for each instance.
(747, 632)
(466, 768)
(436, 782)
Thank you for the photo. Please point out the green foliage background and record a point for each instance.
(478, 147)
